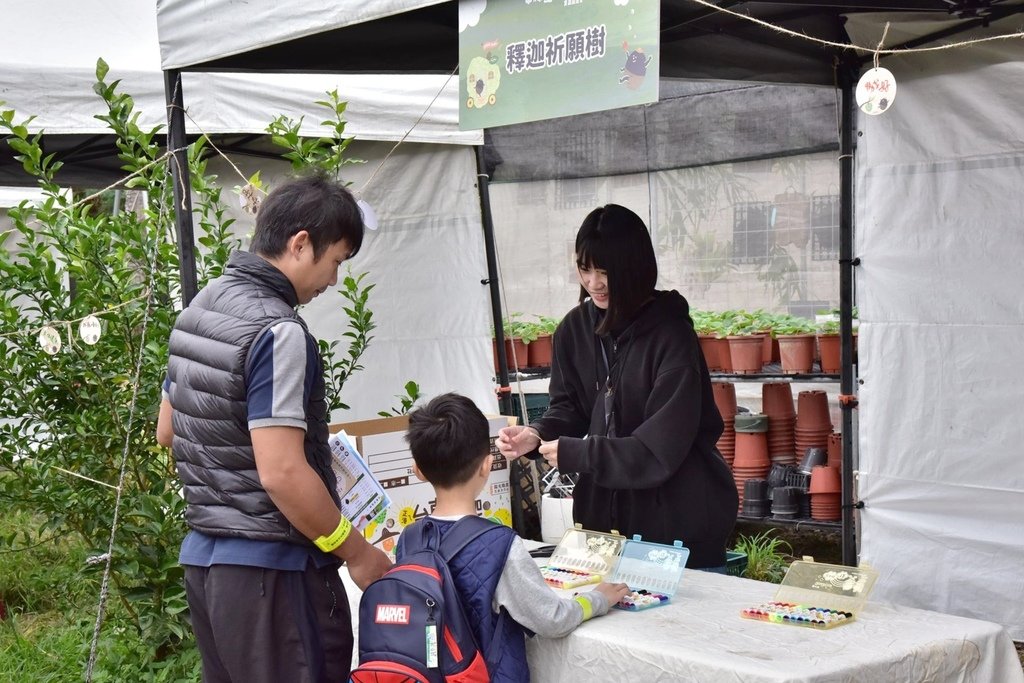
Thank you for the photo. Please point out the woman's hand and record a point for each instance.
(515, 442)
(549, 449)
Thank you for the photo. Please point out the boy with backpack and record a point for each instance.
(465, 591)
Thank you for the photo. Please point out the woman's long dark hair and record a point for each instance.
(614, 239)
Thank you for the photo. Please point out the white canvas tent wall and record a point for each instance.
(429, 250)
(939, 207)
(902, 526)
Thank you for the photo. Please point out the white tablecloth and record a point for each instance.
(699, 636)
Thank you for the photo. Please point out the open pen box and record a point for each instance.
(817, 595)
(651, 570)
(582, 557)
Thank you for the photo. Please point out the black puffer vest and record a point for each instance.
(209, 354)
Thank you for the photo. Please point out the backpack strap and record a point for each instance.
(423, 535)
(464, 532)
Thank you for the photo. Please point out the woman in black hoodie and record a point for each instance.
(631, 408)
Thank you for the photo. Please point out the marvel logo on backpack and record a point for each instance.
(412, 625)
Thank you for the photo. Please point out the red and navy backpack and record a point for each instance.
(412, 625)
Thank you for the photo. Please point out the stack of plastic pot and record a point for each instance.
(777, 404)
(725, 399)
(752, 460)
(813, 422)
(826, 489)
(755, 498)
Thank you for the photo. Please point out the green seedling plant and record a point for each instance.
(766, 560)
(406, 401)
(793, 325)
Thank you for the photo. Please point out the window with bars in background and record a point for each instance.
(576, 193)
(825, 227)
(750, 232)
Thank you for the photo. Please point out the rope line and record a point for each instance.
(853, 46)
(408, 132)
(57, 323)
(105, 585)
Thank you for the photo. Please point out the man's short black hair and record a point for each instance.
(320, 206)
(614, 239)
(448, 438)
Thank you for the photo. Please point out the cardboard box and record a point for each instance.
(382, 444)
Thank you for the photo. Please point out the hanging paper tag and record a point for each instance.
(876, 91)
(89, 329)
(249, 198)
(49, 339)
(431, 646)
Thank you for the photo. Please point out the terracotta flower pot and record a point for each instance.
(710, 348)
(828, 345)
(725, 398)
(724, 357)
(517, 347)
(746, 353)
(777, 399)
(797, 351)
(825, 479)
(539, 352)
(766, 348)
(752, 452)
(826, 507)
(812, 410)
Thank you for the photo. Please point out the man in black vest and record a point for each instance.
(245, 413)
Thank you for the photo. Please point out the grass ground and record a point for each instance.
(50, 597)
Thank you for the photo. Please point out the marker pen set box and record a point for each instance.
(583, 557)
(817, 595)
(651, 570)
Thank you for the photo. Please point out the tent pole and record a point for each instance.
(482, 180)
(847, 78)
(176, 141)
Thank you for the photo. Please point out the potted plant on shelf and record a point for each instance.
(796, 344)
(708, 327)
(764, 322)
(746, 342)
(517, 333)
(539, 349)
(828, 341)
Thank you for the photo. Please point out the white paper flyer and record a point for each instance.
(362, 497)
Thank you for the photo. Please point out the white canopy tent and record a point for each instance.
(938, 205)
(429, 250)
(55, 82)
(278, 21)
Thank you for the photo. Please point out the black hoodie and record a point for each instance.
(645, 451)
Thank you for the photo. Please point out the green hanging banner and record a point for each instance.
(526, 60)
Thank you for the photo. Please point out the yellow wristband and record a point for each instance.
(583, 602)
(337, 537)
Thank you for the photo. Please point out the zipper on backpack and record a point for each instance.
(431, 635)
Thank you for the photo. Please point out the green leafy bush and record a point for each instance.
(76, 425)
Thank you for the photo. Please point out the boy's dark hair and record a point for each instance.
(320, 206)
(448, 438)
(614, 239)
